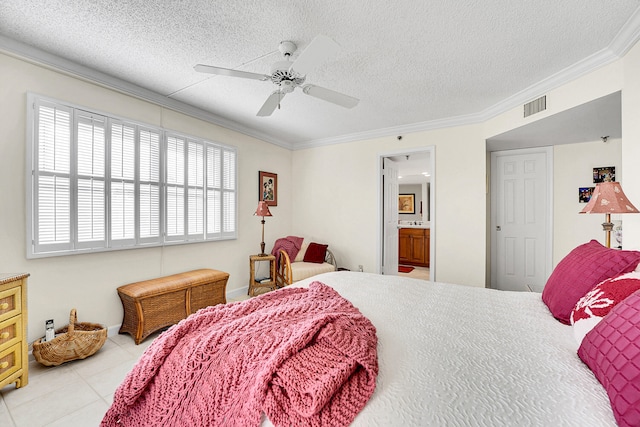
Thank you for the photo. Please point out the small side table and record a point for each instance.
(269, 282)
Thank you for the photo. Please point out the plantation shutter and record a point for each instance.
(100, 183)
(135, 185)
(52, 177)
(228, 192)
(90, 172)
(214, 191)
(195, 191)
(123, 167)
(149, 180)
(175, 188)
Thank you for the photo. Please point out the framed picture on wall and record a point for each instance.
(584, 194)
(605, 174)
(406, 203)
(268, 188)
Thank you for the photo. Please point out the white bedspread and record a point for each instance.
(454, 355)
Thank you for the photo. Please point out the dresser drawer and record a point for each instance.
(10, 332)
(10, 361)
(10, 303)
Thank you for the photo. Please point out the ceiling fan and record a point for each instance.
(288, 75)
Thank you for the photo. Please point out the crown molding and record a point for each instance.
(393, 131)
(624, 40)
(580, 68)
(628, 35)
(39, 57)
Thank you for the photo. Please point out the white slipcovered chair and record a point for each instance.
(288, 271)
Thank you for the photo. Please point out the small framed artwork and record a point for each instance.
(584, 194)
(606, 174)
(268, 188)
(406, 203)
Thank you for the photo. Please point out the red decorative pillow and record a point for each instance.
(582, 269)
(315, 253)
(612, 352)
(599, 301)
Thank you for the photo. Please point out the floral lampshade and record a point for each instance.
(608, 198)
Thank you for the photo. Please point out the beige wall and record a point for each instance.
(572, 162)
(573, 168)
(601, 82)
(88, 282)
(631, 144)
(335, 195)
(335, 189)
(329, 194)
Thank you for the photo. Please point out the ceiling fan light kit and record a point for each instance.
(288, 75)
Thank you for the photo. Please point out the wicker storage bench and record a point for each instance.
(153, 304)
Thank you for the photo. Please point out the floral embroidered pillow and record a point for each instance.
(599, 301)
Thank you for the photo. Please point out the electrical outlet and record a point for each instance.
(360, 268)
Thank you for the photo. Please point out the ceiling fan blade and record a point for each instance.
(229, 72)
(319, 50)
(270, 104)
(331, 96)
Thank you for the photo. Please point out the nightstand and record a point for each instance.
(261, 282)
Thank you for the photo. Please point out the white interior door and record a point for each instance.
(521, 219)
(390, 217)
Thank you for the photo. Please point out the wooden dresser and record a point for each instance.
(14, 352)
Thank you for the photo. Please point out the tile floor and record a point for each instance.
(417, 273)
(77, 393)
(74, 394)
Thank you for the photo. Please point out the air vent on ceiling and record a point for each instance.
(535, 106)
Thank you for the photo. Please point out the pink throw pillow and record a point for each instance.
(315, 253)
(612, 352)
(582, 269)
(599, 301)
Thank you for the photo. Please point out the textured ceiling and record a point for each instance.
(413, 64)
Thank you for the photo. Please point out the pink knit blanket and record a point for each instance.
(303, 357)
(290, 244)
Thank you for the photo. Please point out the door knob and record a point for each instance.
(498, 228)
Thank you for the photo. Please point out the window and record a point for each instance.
(103, 183)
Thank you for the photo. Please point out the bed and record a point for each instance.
(460, 356)
(456, 355)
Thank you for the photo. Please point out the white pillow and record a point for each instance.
(301, 252)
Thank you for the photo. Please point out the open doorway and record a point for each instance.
(407, 232)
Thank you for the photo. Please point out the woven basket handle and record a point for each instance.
(73, 318)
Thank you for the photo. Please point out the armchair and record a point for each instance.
(288, 272)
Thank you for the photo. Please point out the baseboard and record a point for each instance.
(237, 293)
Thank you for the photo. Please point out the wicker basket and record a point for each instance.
(74, 341)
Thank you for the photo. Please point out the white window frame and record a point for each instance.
(227, 225)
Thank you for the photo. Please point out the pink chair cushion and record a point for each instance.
(612, 352)
(582, 269)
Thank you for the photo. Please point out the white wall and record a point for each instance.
(416, 190)
(569, 228)
(573, 168)
(631, 145)
(337, 204)
(603, 81)
(336, 201)
(88, 282)
(327, 193)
